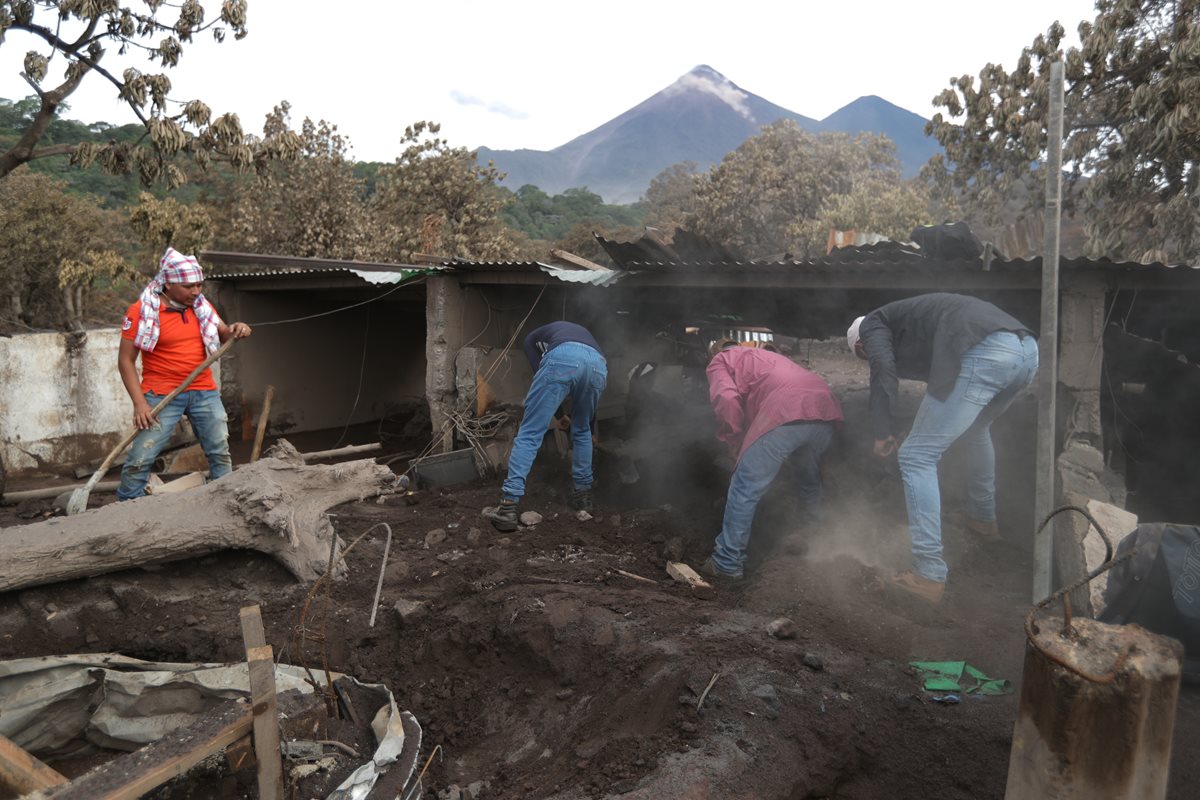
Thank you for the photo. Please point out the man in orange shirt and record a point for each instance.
(174, 328)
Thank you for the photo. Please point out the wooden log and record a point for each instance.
(685, 574)
(262, 424)
(274, 506)
(340, 452)
(22, 772)
(1096, 715)
(131, 776)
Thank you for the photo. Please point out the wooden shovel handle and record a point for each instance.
(159, 406)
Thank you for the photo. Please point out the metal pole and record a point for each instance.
(1043, 543)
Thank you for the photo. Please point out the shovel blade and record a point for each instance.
(78, 502)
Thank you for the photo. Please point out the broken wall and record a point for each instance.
(62, 402)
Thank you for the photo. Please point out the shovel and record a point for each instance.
(79, 497)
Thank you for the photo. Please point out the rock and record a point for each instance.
(781, 628)
(450, 555)
(769, 695)
(452, 792)
(813, 662)
(474, 535)
(411, 611)
(583, 516)
(563, 694)
(190, 621)
(475, 790)
(434, 538)
(615, 520)
(530, 518)
(503, 541)
(92, 638)
(673, 549)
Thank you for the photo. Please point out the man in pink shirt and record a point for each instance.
(769, 409)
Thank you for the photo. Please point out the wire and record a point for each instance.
(336, 310)
(362, 367)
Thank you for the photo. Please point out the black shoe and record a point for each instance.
(581, 500)
(503, 517)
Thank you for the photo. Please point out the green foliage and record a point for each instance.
(542, 217)
(74, 33)
(1131, 149)
(782, 190)
(48, 268)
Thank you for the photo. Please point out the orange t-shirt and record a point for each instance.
(179, 350)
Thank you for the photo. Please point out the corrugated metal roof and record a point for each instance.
(222, 265)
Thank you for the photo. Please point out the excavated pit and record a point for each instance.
(544, 673)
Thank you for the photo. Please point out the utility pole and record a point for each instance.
(1043, 542)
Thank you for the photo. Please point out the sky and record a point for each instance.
(533, 74)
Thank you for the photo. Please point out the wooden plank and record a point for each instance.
(253, 633)
(131, 776)
(578, 261)
(266, 723)
(22, 772)
(685, 574)
(262, 423)
(240, 754)
(189, 481)
(262, 696)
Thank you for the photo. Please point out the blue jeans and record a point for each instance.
(803, 443)
(571, 369)
(993, 373)
(207, 416)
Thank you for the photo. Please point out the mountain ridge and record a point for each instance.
(700, 117)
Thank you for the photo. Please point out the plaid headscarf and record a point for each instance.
(175, 267)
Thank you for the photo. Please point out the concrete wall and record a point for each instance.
(61, 400)
(374, 354)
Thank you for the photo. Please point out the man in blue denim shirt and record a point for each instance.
(976, 359)
(566, 361)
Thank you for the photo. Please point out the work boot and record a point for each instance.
(923, 588)
(711, 570)
(987, 532)
(581, 500)
(503, 517)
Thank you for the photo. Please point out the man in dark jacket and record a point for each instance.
(566, 361)
(975, 359)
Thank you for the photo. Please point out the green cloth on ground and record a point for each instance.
(947, 676)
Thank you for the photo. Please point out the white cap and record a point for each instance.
(852, 333)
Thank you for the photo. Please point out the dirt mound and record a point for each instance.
(541, 671)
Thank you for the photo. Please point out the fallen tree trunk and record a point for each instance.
(275, 506)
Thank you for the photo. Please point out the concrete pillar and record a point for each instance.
(1104, 734)
(1080, 355)
(443, 338)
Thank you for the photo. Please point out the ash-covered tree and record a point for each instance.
(784, 189)
(312, 207)
(438, 200)
(670, 200)
(1131, 154)
(68, 41)
(165, 222)
(51, 271)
